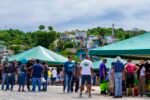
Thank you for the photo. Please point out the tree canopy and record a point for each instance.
(18, 40)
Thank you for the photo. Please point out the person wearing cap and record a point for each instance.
(118, 70)
(86, 74)
(68, 74)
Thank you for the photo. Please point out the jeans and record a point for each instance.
(10, 80)
(64, 83)
(45, 83)
(118, 84)
(36, 81)
(22, 78)
(28, 81)
(76, 81)
(4, 77)
(94, 80)
(68, 81)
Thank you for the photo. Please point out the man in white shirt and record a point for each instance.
(141, 72)
(54, 75)
(86, 74)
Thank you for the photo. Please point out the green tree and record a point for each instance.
(50, 28)
(41, 27)
(52, 46)
(60, 44)
(69, 45)
(44, 38)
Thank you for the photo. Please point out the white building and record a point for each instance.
(80, 38)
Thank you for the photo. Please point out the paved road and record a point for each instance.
(55, 93)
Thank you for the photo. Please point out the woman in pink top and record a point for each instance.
(130, 69)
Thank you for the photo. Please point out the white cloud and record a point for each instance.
(28, 14)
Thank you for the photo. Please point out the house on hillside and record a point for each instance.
(4, 52)
(67, 37)
(109, 39)
(80, 38)
(92, 42)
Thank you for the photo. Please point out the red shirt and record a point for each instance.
(130, 67)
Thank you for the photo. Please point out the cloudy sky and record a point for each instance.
(63, 15)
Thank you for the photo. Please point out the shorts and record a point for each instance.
(111, 83)
(53, 79)
(86, 78)
(130, 80)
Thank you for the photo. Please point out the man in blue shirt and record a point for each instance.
(118, 69)
(102, 70)
(68, 74)
(37, 70)
(102, 73)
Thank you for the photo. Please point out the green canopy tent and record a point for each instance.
(108, 64)
(40, 53)
(137, 46)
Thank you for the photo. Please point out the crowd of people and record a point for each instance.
(115, 81)
(32, 72)
(125, 77)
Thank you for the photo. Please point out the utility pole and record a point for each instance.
(113, 31)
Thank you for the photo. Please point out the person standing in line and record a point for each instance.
(29, 65)
(141, 77)
(75, 79)
(22, 75)
(61, 77)
(118, 70)
(130, 70)
(49, 76)
(147, 74)
(69, 67)
(11, 75)
(94, 79)
(124, 82)
(4, 72)
(54, 76)
(111, 79)
(102, 73)
(45, 75)
(86, 74)
(37, 70)
(1, 71)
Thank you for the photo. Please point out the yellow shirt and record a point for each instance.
(49, 74)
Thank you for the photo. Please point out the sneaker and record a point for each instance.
(90, 96)
(120, 96)
(80, 95)
(115, 97)
(23, 90)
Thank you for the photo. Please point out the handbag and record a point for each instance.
(43, 80)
